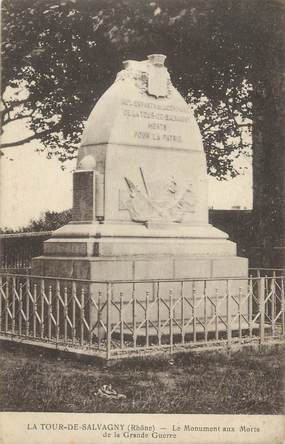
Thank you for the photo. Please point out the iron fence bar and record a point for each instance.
(222, 321)
(282, 307)
(42, 307)
(216, 315)
(134, 312)
(229, 315)
(109, 301)
(7, 305)
(28, 284)
(205, 298)
(273, 303)
(267, 296)
(171, 320)
(35, 310)
(1, 290)
(261, 290)
(121, 320)
(90, 328)
(73, 328)
(81, 317)
(194, 312)
(13, 303)
(140, 304)
(57, 292)
(49, 310)
(65, 308)
(20, 308)
(166, 304)
(99, 326)
(127, 281)
(158, 315)
(239, 313)
(250, 307)
(182, 313)
(146, 318)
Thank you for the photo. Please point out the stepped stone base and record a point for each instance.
(140, 267)
(130, 252)
(91, 252)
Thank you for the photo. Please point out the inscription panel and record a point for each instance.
(83, 196)
(154, 120)
(149, 123)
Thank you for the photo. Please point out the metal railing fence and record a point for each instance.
(121, 318)
(18, 249)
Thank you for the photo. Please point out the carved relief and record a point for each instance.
(149, 76)
(159, 201)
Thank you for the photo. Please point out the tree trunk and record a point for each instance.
(269, 166)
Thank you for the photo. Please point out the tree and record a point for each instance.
(48, 221)
(225, 56)
(73, 49)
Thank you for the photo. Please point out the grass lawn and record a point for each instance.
(245, 383)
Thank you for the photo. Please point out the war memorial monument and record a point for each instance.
(140, 206)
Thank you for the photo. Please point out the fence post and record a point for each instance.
(49, 311)
(216, 314)
(73, 311)
(194, 311)
(282, 307)
(65, 310)
(35, 309)
(134, 315)
(273, 301)
(205, 299)
(7, 305)
(20, 308)
(57, 294)
(28, 289)
(146, 319)
(82, 315)
(250, 290)
(182, 314)
(229, 316)
(261, 301)
(171, 320)
(42, 307)
(1, 289)
(13, 303)
(158, 315)
(121, 320)
(99, 325)
(109, 301)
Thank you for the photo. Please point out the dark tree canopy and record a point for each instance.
(65, 53)
(226, 57)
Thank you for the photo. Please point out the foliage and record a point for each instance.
(48, 221)
(65, 53)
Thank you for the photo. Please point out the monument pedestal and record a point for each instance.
(134, 252)
(148, 259)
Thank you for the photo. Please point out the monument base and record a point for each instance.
(140, 267)
(127, 252)
(82, 251)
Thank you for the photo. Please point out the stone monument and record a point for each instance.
(140, 206)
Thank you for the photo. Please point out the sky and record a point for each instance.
(31, 184)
